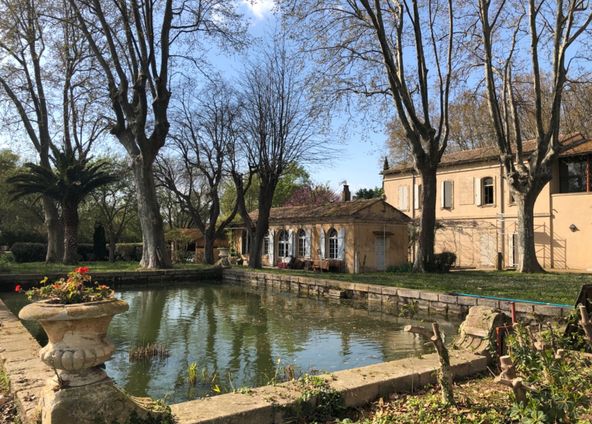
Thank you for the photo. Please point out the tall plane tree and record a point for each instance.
(552, 29)
(24, 85)
(205, 133)
(135, 42)
(279, 130)
(398, 50)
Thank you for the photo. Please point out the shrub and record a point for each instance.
(443, 262)
(6, 258)
(29, 252)
(129, 252)
(406, 267)
(86, 252)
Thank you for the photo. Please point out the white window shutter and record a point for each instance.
(271, 251)
(341, 244)
(290, 243)
(401, 198)
(494, 190)
(416, 196)
(442, 194)
(477, 188)
(322, 243)
(308, 243)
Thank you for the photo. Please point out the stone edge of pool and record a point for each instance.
(358, 386)
(385, 297)
(267, 404)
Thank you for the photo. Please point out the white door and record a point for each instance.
(487, 250)
(380, 251)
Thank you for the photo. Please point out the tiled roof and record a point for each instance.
(320, 213)
(574, 144)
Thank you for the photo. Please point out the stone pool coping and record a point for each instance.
(267, 404)
(119, 278)
(358, 386)
(386, 298)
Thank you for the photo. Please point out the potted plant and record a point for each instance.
(75, 312)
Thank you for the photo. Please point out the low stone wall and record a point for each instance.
(118, 279)
(386, 298)
(19, 357)
(358, 387)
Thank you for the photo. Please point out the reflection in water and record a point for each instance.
(239, 333)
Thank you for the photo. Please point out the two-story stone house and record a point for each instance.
(477, 216)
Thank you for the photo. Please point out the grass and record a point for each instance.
(549, 287)
(42, 267)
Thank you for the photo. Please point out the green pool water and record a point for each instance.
(241, 337)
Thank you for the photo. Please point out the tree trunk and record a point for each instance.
(55, 235)
(154, 254)
(427, 224)
(209, 239)
(527, 258)
(261, 228)
(70, 234)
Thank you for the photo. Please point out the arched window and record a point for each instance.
(301, 251)
(333, 244)
(283, 242)
(487, 191)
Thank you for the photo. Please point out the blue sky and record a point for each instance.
(360, 149)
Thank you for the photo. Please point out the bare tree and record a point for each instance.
(135, 43)
(23, 78)
(400, 51)
(552, 29)
(205, 132)
(280, 129)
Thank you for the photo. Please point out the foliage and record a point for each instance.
(6, 259)
(29, 252)
(558, 385)
(86, 251)
(311, 194)
(99, 243)
(78, 287)
(369, 193)
(406, 267)
(318, 400)
(69, 183)
(130, 252)
(443, 262)
(147, 351)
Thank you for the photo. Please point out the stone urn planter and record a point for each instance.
(82, 392)
(77, 335)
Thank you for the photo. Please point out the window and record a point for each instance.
(301, 251)
(447, 194)
(574, 175)
(283, 242)
(333, 242)
(403, 198)
(417, 193)
(487, 191)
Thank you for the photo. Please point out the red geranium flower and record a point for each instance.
(18, 288)
(82, 270)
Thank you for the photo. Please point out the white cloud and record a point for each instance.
(259, 7)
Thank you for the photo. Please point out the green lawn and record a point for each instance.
(551, 287)
(42, 267)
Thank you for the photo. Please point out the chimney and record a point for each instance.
(345, 194)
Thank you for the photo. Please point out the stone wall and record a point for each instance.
(120, 278)
(386, 298)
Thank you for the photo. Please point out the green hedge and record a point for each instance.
(129, 252)
(29, 252)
